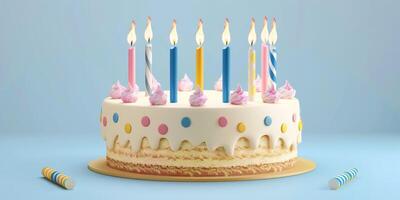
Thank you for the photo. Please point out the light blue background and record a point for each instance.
(58, 60)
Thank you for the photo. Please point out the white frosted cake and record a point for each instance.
(195, 134)
(214, 139)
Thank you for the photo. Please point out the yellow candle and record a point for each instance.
(252, 74)
(199, 68)
(199, 56)
(252, 61)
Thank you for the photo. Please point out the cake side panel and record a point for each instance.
(199, 156)
(217, 127)
(199, 161)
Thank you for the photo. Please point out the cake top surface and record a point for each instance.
(214, 100)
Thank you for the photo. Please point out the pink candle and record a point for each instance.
(264, 57)
(131, 66)
(264, 67)
(131, 39)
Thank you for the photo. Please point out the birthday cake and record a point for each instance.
(200, 134)
(197, 137)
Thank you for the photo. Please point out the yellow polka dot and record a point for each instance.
(300, 125)
(128, 128)
(241, 127)
(283, 128)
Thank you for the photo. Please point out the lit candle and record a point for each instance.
(148, 35)
(251, 74)
(131, 38)
(264, 57)
(173, 62)
(226, 38)
(273, 37)
(199, 56)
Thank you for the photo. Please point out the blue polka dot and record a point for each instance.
(186, 122)
(115, 117)
(267, 121)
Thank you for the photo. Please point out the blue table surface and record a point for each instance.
(24, 155)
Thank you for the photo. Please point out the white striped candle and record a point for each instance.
(148, 35)
(342, 179)
(147, 70)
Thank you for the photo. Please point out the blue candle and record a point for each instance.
(173, 64)
(226, 38)
(225, 74)
(173, 58)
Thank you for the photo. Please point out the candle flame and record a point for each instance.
(226, 36)
(173, 35)
(200, 33)
(252, 38)
(264, 32)
(148, 33)
(273, 35)
(131, 38)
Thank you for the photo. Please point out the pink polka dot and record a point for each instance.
(104, 121)
(294, 117)
(145, 121)
(163, 129)
(222, 121)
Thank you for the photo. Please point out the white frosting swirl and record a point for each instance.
(218, 84)
(287, 91)
(185, 84)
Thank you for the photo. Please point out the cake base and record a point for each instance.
(300, 167)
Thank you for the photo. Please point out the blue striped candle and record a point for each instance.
(273, 37)
(272, 65)
(342, 179)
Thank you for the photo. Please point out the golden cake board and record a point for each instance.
(301, 166)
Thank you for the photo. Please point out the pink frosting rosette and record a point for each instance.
(185, 84)
(271, 96)
(129, 95)
(158, 97)
(238, 97)
(258, 83)
(198, 98)
(116, 90)
(218, 84)
(287, 91)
